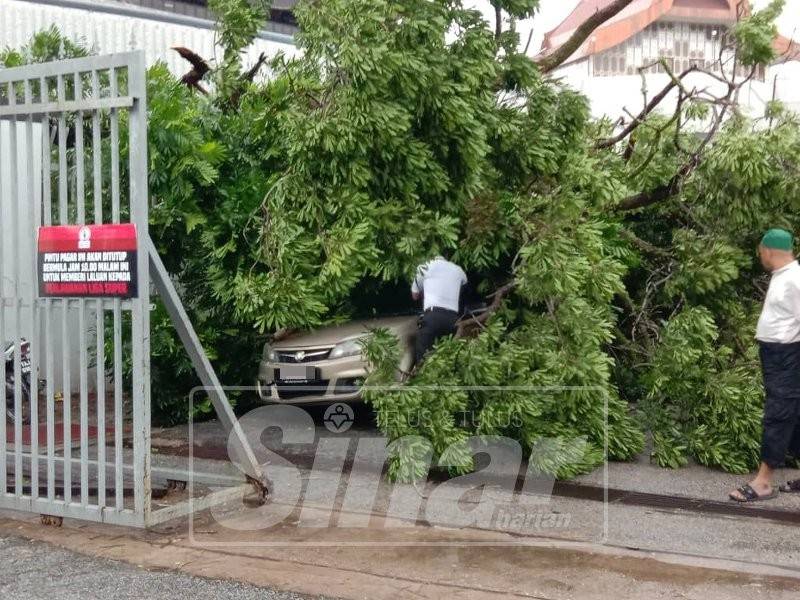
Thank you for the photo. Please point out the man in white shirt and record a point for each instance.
(778, 335)
(439, 283)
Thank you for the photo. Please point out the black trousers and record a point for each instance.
(780, 364)
(433, 324)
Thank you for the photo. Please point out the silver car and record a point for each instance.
(325, 366)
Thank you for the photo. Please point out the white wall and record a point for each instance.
(612, 96)
(788, 83)
(107, 33)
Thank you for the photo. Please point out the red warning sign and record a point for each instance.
(88, 261)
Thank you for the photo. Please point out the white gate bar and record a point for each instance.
(63, 219)
(117, 312)
(100, 341)
(140, 315)
(3, 399)
(47, 210)
(33, 348)
(66, 106)
(15, 260)
(83, 358)
(68, 66)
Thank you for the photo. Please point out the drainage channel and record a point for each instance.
(579, 491)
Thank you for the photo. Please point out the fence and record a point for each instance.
(80, 127)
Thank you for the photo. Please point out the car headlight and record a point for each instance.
(270, 354)
(347, 348)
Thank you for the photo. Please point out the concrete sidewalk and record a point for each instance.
(404, 562)
(570, 545)
(579, 548)
(692, 481)
(640, 476)
(343, 506)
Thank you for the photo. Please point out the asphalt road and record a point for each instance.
(32, 570)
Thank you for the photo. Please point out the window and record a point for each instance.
(681, 44)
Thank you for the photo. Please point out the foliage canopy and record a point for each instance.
(408, 126)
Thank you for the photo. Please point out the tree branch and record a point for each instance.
(650, 107)
(584, 30)
(528, 43)
(466, 326)
(673, 186)
(662, 192)
(669, 189)
(248, 76)
(644, 245)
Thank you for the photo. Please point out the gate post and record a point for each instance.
(140, 315)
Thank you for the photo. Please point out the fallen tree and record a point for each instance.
(617, 257)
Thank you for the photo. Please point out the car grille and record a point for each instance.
(287, 390)
(305, 356)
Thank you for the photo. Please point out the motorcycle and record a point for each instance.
(25, 379)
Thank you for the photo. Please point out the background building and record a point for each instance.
(151, 25)
(683, 33)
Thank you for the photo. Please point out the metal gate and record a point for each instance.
(61, 125)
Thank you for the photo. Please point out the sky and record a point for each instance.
(552, 12)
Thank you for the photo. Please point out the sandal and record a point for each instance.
(790, 487)
(750, 495)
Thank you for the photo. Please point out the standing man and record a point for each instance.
(778, 336)
(439, 283)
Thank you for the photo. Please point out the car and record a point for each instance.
(326, 366)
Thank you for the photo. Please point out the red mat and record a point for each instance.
(75, 433)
